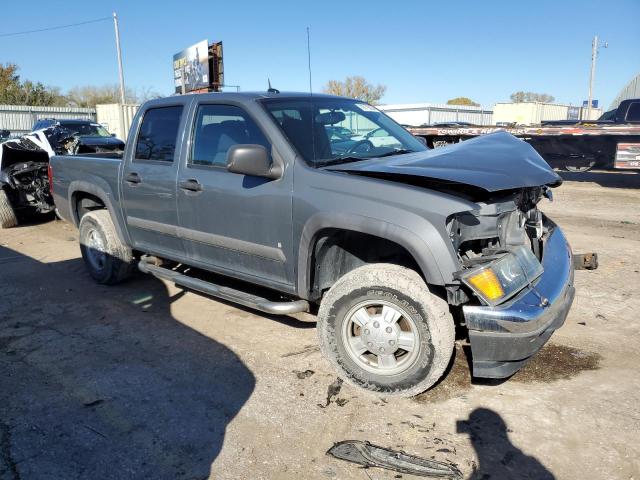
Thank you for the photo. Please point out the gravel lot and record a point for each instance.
(143, 380)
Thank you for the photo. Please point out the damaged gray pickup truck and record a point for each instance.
(398, 249)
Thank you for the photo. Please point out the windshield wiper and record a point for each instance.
(340, 160)
(350, 158)
(397, 151)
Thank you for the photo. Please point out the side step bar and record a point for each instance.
(225, 293)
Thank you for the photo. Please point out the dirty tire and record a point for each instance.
(117, 261)
(580, 169)
(401, 287)
(8, 217)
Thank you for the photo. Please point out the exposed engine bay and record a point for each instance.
(500, 223)
(504, 224)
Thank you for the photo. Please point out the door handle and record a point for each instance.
(133, 177)
(192, 185)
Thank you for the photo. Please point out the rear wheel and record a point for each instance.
(8, 217)
(581, 168)
(108, 260)
(384, 331)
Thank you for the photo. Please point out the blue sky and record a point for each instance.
(423, 51)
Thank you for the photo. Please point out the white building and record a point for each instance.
(416, 114)
(532, 113)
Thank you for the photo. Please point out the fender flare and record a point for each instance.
(416, 246)
(101, 189)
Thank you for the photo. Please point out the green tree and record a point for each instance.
(356, 87)
(462, 101)
(13, 91)
(521, 97)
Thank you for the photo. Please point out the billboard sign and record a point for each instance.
(573, 113)
(594, 103)
(191, 68)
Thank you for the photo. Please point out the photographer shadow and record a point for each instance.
(497, 457)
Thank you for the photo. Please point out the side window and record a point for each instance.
(217, 129)
(633, 114)
(158, 134)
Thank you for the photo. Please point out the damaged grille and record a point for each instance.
(501, 223)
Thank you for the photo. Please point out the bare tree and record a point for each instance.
(462, 101)
(90, 95)
(521, 97)
(356, 87)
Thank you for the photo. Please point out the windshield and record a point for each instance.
(86, 129)
(330, 131)
(610, 115)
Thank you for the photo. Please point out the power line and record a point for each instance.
(54, 28)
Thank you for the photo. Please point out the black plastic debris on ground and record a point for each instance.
(369, 455)
(332, 392)
(303, 375)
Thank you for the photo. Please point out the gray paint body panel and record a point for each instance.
(282, 218)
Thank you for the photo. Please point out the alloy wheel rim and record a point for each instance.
(380, 337)
(96, 250)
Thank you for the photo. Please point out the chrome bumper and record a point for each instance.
(504, 337)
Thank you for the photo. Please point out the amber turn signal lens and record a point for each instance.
(486, 282)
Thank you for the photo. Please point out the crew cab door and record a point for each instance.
(149, 181)
(232, 223)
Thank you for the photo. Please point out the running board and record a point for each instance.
(225, 293)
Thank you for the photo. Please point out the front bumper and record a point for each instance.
(503, 338)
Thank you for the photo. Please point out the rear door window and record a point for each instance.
(158, 134)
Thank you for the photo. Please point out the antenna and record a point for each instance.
(311, 109)
(271, 89)
(309, 61)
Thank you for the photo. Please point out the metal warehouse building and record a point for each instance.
(416, 114)
(631, 90)
(19, 119)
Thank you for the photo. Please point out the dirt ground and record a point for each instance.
(143, 380)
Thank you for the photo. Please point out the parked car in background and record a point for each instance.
(24, 183)
(92, 137)
(24, 162)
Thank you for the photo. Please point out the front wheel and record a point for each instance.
(384, 331)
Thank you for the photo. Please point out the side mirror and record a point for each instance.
(250, 159)
(113, 134)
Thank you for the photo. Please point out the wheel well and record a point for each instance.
(84, 202)
(337, 252)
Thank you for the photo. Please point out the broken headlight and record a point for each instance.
(501, 279)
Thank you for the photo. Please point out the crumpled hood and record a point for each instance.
(493, 162)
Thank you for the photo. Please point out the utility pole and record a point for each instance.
(594, 57)
(121, 73)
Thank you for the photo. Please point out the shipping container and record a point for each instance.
(116, 118)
